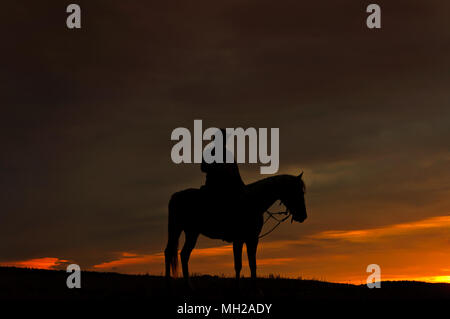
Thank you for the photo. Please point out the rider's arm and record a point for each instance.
(203, 166)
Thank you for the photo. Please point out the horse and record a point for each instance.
(237, 220)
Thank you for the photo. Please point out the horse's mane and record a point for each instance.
(279, 181)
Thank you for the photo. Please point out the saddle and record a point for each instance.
(224, 210)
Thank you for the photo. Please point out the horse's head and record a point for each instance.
(294, 199)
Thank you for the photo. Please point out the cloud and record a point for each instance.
(37, 263)
(85, 159)
(362, 235)
(127, 260)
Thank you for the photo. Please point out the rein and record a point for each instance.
(279, 221)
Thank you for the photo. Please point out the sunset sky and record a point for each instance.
(86, 119)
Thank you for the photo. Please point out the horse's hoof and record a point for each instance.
(169, 287)
(237, 289)
(259, 293)
(189, 290)
(256, 292)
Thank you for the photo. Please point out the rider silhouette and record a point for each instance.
(223, 186)
(222, 178)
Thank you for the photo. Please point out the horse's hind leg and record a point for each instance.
(189, 244)
(237, 252)
(171, 251)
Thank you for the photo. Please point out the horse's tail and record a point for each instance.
(174, 231)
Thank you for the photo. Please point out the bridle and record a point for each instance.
(287, 213)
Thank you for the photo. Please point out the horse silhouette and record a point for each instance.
(238, 220)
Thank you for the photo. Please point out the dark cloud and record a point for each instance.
(87, 114)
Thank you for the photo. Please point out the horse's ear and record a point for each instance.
(300, 176)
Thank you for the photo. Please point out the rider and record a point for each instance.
(223, 179)
(224, 187)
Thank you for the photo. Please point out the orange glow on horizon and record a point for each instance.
(396, 229)
(47, 263)
(332, 260)
(327, 263)
(430, 279)
(327, 255)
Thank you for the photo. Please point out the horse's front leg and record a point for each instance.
(189, 244)
(237, 252)
(252, 245)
